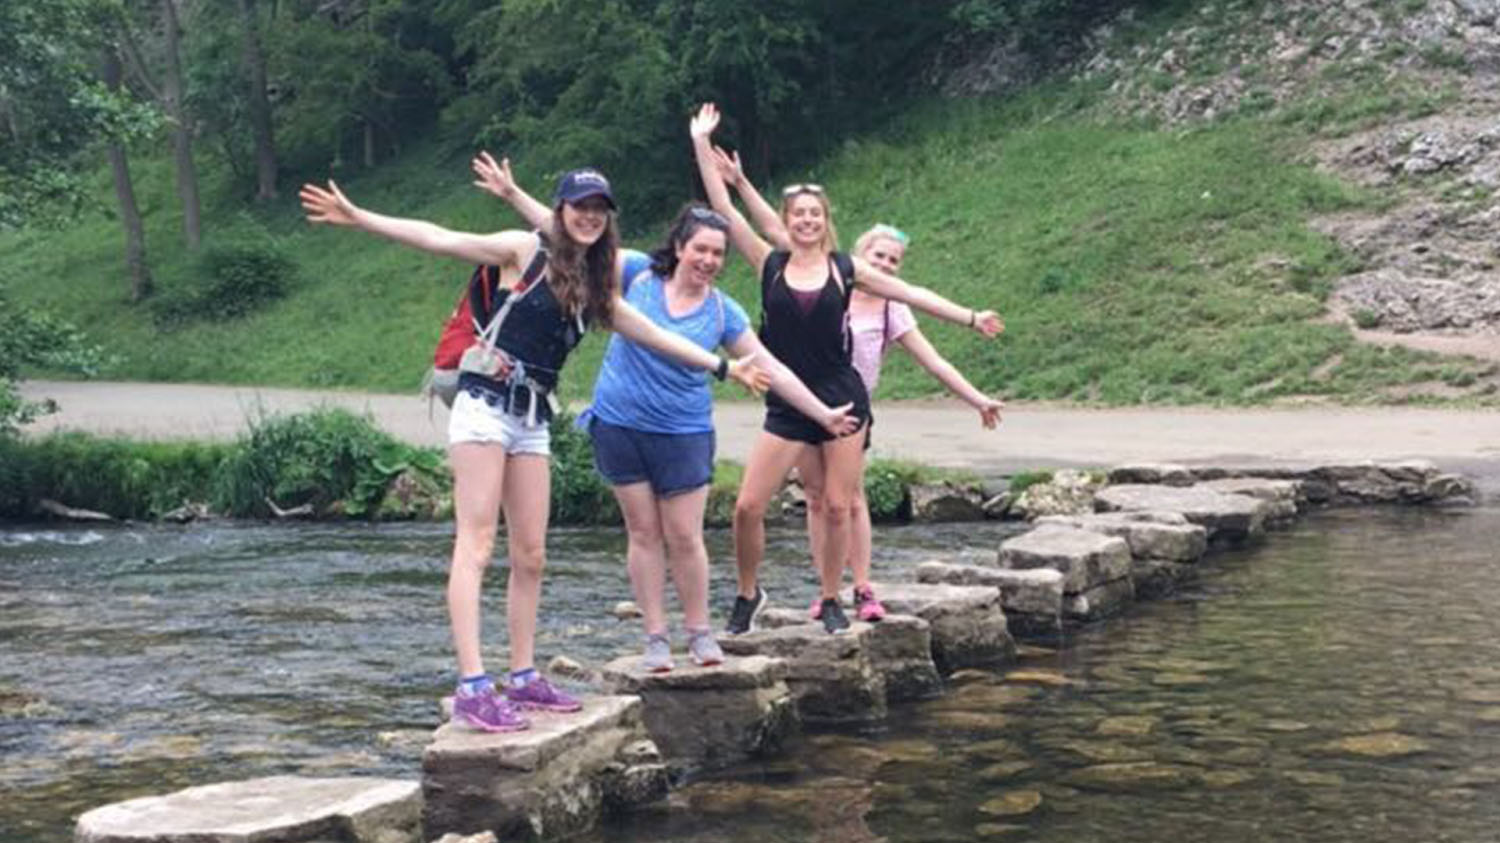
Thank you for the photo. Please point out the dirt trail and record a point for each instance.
(936, 432)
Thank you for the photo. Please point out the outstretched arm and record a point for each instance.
(878, 283)
(948, 375)
(331, 206)
(836, 420)
(761, 212)
(634, 326)
(741, 234)
(496, 180)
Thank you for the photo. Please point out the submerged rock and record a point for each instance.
(1131, 777)
(1012, 804)
(1377, 745)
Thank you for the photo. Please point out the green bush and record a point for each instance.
(579, 495)
(885, 492)
(331, 460)
(232, 280)
(123, 478)
(1026, 479)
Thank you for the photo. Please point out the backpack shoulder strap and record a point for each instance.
(774, 265)
(843, 270)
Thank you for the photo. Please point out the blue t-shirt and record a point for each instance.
(642, 390)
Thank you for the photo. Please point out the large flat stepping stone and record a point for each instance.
(832, 677)
(1032, 599)
(710, 717)
(968, 623)
(1402, 481)
(1284, 496)
(284, 809)
(1085, 558)
(900, 648)
(556, 779)
(1162, 544)
(1224, 516)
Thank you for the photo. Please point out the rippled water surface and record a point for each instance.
(1339, 682)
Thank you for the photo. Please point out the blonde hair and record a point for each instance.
(880, 231)
(830, 234)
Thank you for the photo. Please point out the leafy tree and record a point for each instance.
(30, 338)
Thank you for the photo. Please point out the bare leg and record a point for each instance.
(843, 465)
(528, 505)
(771, 457)
(478, 471)
(644, 556)
(810, 469)
(861, 544)
(682, 526)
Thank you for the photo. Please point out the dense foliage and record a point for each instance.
(32, 338)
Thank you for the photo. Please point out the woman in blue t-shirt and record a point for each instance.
(651, 420)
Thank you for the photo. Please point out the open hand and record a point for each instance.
(841, 420)
(729, 167)
(494, 178)
(330, 206)
(705, 121)
(989, 412)
(988, 322)
(753, 378)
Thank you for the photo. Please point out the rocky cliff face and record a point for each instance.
(1398, 96)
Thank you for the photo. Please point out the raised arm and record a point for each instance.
(764, 216)
(331, 206)
(949, 376)
(741, 234)
(878, 283)
(836, 420)
(634, 326)
(496, 180)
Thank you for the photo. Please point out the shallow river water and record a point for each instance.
(1338, 682)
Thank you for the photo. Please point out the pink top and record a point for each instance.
(873, 333)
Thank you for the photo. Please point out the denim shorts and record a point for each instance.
(475, 420)
(672, 463)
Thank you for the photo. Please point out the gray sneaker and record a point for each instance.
(703, 648)
(658, 658)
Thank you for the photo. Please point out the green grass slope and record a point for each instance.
(1132, 264)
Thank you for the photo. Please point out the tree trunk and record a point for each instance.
(130, 213)
(182, 130)
(260, 105)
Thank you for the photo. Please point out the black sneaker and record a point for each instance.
(834, 621)
(742, 619)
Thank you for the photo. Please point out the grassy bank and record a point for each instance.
(1133, 264)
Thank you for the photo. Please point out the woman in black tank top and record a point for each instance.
(813, 342)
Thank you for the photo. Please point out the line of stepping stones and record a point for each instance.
(1149, 527)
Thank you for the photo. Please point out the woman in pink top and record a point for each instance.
(876, 324)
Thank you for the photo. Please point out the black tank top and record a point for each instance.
(539, 334)
(813, 343)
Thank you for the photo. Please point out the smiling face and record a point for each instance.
(586, 219)
(885, 254)
(701, 257)
(806, 218)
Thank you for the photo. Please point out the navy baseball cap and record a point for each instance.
(578, 185)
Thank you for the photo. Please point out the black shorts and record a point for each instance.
(845, 388)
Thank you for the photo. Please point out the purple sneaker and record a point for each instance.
(541, 695)
(488, 711)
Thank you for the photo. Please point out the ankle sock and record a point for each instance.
(523, 677)
(470, 686)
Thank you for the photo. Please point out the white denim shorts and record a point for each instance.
(474, 420)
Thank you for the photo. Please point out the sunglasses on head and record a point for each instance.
(709, 216)
(894, 233)
(794, 189)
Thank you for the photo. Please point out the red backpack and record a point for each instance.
(468, 320)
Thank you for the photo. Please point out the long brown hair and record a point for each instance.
(583, 280)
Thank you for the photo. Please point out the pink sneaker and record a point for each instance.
(487, 711)
(868, 608)
(815, 611)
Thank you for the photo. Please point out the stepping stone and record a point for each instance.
(901, 649)
(1085, 559)
(1162, 544)
(286, 809)
(710, 717)
(1284, 496)
(1224, 516)
(832, 678)
(968, 623)
(1032, 600)
(556, 779)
